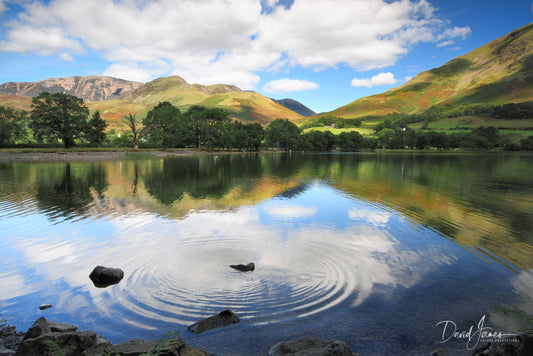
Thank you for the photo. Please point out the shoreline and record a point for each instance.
(42, 156)
(89, 155)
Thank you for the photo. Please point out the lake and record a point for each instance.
(390, 253)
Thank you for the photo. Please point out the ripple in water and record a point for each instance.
(190, 278)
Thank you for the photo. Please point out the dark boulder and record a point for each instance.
(104, 276)
(244, 268)
(225, 318)
(39, 327)
(308, 345)
(69, 343)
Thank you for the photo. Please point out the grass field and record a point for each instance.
(365, 131)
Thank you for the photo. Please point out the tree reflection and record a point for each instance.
(202, 177)
(67, 194)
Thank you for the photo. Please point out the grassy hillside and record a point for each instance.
(242, 105)
(499, 72)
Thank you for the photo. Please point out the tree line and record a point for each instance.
(511, 111)
(64, 118)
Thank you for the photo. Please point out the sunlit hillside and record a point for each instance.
(499, 72)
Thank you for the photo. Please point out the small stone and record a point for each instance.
(244, 268)
(225, 318)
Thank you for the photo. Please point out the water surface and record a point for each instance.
(371, 249)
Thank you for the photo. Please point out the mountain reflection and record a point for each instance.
(482, 201)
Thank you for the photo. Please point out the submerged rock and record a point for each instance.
(104, 276)
(244, 268)
(225, 318)
(308, 345)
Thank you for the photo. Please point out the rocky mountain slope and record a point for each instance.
(296, 106)
(116, 98)
(89, 88)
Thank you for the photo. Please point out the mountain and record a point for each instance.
(246, 106)
(88, 88)
(499, 72)
(296, 106)
(115, 98)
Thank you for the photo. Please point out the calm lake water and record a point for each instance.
(388, 252)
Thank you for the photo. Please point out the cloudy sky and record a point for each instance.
(324, 53)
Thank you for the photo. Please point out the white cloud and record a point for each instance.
(445, 43)
(290, 211)
(66, 57)
(289, 85)
(455, 32)
(379, 79)
(226, 41)
(373, 216)
(3, 7)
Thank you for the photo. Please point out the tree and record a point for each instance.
(207, 125)
(58, 116)
(197, 124)
(137, 133)
(283, 134)
(11, 125)
(96, 128)
(166, 125)
(350, 141)
(255, 135)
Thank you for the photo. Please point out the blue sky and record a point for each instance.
(323, 53)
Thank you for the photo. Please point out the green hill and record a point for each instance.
(499, 72)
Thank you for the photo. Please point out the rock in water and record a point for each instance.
(244, 268)
(104, 276)
(225, 318)
(308, 345)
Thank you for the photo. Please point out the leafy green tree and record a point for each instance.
(240, 135)
(198, 126)
(255, 135)
(166, 125)
(385, 137)
(11, 125)
(421, 140)
(96, 129)
(350, 141)
(526, 144)
(283, 134)
(58, 116)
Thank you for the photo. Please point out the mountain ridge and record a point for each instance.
(89, 88)
(296, 106)
(500, 71)
(122, 97)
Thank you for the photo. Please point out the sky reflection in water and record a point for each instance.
(328, 264)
